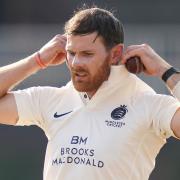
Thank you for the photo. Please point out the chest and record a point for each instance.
(102, 133)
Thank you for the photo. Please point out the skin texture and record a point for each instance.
(89, 63)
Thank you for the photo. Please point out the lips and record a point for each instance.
(79, 75)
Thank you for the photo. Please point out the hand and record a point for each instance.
(54, 53)
(154, 64)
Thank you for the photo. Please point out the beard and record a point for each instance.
(89, 82)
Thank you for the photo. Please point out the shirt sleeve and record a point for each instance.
(32, 104)
(28, 105)
(161, 111)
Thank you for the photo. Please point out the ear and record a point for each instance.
(116, 54)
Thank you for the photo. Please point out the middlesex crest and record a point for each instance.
(117, 115)
(119, 112)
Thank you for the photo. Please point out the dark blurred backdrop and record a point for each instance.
(25, 25)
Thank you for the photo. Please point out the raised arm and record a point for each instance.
(158, 67)
(154, 64)
(52, 53)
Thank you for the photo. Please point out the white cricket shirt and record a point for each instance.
(114, 136)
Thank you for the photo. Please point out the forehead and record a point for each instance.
(84, 42)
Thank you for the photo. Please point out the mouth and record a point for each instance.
(79, 75)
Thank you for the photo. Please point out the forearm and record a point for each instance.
(155, 66)
(52, 53)
(173, 80)
(173, 84)
(13, 74)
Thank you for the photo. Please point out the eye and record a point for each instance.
(88, 53)
(71, 53)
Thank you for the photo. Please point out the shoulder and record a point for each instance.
(44, 90)
(141, 86)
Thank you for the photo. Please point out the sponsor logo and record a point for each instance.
(56, 115)
(117, 115)
(78, 154)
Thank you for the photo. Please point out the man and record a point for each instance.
(104, 124)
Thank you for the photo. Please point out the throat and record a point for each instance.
(91, 94)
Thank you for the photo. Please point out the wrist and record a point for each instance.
(163, 69)
(168, 74)
(32, 64)
(39, 61)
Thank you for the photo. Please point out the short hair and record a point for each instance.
(89, 20)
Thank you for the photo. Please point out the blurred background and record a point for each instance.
(26, 25)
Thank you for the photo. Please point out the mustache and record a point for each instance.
(79, 70)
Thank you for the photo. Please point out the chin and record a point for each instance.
(80, 88)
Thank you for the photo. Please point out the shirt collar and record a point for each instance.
(118, 74)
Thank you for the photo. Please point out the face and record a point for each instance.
(88, 61)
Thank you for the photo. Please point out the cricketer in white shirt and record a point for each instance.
(114, 136)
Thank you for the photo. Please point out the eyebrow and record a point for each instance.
(88, 50)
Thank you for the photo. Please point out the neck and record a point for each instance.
(91, 93)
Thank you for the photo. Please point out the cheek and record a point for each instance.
(69, 62)
(94, 69)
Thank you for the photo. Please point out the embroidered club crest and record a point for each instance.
(119, 112)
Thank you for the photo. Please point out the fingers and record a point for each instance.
(53, 48)
(153, 63)
(60, 42)
(134, 50)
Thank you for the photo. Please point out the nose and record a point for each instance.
(76, 62)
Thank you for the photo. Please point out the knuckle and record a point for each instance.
(145, 46)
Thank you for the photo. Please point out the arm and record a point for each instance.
(172, 82)
(52, 53)
(12, 74)
(157, 66)
(154, 64)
